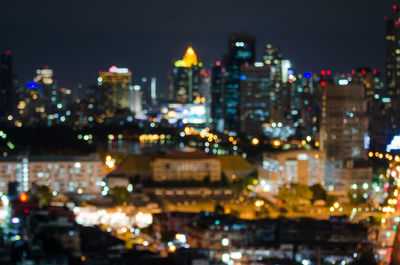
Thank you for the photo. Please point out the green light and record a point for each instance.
(80, 136)
(180, 63)
(200, 64)
(10, 145)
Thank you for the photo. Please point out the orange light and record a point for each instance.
(23, 197)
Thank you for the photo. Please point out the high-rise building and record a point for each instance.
(344, 128)
(115, 88)
(393, 67)
(344, 122)
(257, 99)
(241, 51)
(185, 79)
(7, 86)
(217, 99)
(273, 60)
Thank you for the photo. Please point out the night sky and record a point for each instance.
(78, 38)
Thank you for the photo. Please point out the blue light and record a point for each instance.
(290, 72)
(243, 77)
(386, 100)
(307, 75)
(32, 85)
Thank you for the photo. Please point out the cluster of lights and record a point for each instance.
(112, 137)
(153, 137)
(110, 162)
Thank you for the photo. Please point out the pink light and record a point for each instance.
(394, 7)
(113, 69)
(218, 63)
(8, 52)
(323, 83)
(396, 22)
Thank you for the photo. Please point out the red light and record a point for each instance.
(389, 260)
(363, 71)
(374, 71)
(353, 72)
(328, 72)
(8, 52)
(23, 197)
(391, 250)
(386, 18)
(323, 83)
(323, 72)
(396, 22)
(218, 63)
(46, 67)
(309, 108)
(394, 7)
(26, 211)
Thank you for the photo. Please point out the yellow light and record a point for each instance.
(316, 144)
(190, 57)
(172, 248)
(276, 143)
(123, 230)
(259, 203)
(234, 142)
(376, 154)
(187, 130)
(230, 138)
(255, 182)
(80, 191)
(370, 154)
(331, 209)
(255, 141)
(303, 142)
(83, 258)
(336, 205)
(380, 156)
(397, 158)
(308, 138)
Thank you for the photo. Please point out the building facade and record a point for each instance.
(61, 173)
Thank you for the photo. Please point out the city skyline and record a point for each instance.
(76, 48)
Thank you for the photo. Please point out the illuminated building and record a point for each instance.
(7, 86)
(298, 166)
(115, 88)
(185, 79)
(273, 60)
(61, 173)
(241, 50)
(393, 68)
(216, 104)
(136, 103)
(257, 99)
(344, 126)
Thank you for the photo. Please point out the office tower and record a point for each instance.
(344, 126)
(344, 122)
(185, 79)
(153, 89)
(273, 60)
(7, 86)
(378, 106)
(217, 102)
(393, 67)
(241, 50)
(114, 85)
(257, 99)
(136, 100)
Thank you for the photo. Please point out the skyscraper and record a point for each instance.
(257, 101)
(241, 51)
(185, 79)
(393, 67)
(115, 88)
(7, 86)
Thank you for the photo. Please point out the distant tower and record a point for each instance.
(186, 79)
(393, 67)
(115, 88)
(241, 51)
(7, 86)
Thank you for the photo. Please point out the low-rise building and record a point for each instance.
(61, 173)
(294, 166)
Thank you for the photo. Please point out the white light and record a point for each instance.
(365, 186)
(145, 243)
(225, 242)
(78, 165)
(301, 157)
(225, 257)
(130, 187)
(236, 255)
(394, 145)
(343, 82)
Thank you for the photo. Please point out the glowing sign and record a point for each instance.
(343, 82)
(307, 75)
(394, 145)
(32, 85)
(239, 44)
(114, 69)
